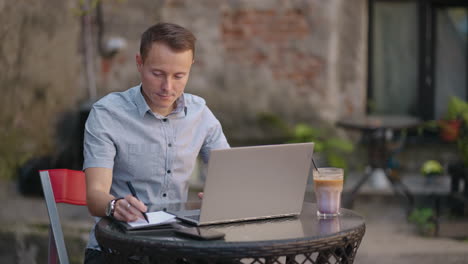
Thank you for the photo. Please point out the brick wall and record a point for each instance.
(267, 37)
(301, 60)
(304, 61)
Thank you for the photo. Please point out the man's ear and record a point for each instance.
(139, 62)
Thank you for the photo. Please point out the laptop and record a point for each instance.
(248, 183)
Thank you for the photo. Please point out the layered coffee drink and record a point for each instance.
(328, 185)
(327, 226)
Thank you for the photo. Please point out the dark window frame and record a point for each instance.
(427, 49)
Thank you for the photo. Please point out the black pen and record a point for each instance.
(132, 190)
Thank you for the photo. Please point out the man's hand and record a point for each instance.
(200, 195)
(98, 183)
(129, 209)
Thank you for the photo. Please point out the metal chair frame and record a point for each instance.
(56, 184)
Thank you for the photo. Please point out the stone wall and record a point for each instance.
(39, 75)
(303, 61)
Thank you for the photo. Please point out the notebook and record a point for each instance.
(248, 183)
(155, 219)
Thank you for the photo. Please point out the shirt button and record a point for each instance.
(165, 119)
(164, 194)
(170, 145)
(168, 171)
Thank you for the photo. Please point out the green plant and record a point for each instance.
(431, 167)
(453, 127)
(457, 109)
(424, 219)
(334, 148)
(12, 156)
(450, 125)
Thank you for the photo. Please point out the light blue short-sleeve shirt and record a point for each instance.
(156, 153)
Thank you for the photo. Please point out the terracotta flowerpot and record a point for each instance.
(449, 130)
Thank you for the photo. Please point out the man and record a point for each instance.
(150, 134)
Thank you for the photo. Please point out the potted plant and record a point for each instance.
(430, 169)
(458, 170)
(457, 113)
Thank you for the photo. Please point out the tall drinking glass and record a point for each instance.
(328, 185)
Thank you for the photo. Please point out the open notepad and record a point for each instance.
(155, 219)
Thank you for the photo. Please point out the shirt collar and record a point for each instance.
(143, 108)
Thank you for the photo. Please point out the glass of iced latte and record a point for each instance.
(328, 185)
(330, 225)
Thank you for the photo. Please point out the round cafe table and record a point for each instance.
(299, 239)
(377, 133)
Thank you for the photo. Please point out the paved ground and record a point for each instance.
(389, 237)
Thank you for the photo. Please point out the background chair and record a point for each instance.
(61, 186)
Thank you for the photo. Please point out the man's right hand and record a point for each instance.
(129, 209)
(98, 183)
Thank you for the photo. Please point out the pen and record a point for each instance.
(132, 190)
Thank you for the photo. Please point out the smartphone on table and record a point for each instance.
(198, 233)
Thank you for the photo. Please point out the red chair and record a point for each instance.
(61, 186)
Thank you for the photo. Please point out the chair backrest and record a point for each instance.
(61, 186)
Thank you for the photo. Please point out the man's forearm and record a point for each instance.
(97, 202)
(98, 184)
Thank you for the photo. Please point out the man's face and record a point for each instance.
(164, 74)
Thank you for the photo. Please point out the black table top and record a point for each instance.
(250, 235)
(373, 122)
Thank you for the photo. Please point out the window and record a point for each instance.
(450, 67)
(417, 56)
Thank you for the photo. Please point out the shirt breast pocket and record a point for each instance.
(145, 159)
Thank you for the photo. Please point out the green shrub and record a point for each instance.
(11, 157)
(335, 149)
(424, 219)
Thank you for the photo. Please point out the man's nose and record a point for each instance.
(167, 84)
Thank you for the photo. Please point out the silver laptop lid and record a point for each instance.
(255, 182)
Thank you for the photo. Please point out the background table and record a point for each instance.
(378, 135)
(301, 239)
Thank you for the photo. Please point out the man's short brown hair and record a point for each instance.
(174, 36)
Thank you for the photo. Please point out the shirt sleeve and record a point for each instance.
(99, 149)
(215, 138)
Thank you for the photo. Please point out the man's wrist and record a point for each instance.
(110, 209)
